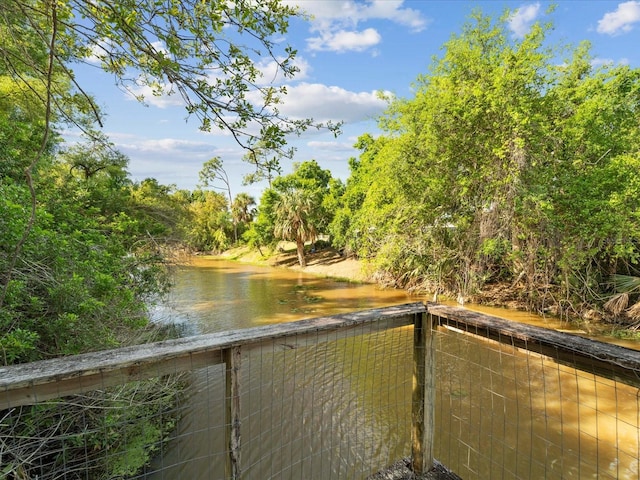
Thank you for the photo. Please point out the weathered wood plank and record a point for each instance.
(94, 379)
(607, 360)
(423, 396)
(26, 383)
(232, 358)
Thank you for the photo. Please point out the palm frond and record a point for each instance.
(634, 311)
(617, 303)
(625, 283)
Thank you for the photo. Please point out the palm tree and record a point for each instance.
(295, 213)
(241, 208)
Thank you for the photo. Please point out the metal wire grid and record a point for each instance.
(509, 413)
(340, 409)
(337, 409)
(332, 410)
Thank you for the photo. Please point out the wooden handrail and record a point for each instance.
(38, 381)
(31, 383)
(605, 359)
(34, 382)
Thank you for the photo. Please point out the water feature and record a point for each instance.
(496, 393)
(213, 295)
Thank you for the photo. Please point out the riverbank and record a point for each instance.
(494, 300)
(330, 264)
(325, 263)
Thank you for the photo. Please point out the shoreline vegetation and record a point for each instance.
(329, 263)
(510, 179)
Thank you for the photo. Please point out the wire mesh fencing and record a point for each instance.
(304, 403)
(327, 398)
(330, 410)
(521, 406)
(104, 433)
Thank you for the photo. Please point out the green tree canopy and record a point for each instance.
(295, 208)
(294, 219)
(206, 52)
(513, 162)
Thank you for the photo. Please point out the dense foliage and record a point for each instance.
(83, 248)
(515, 164)
(71, 215)
(295, 208)
(511, 164)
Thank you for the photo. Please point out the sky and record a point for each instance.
(347, 52)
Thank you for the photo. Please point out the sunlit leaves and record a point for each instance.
(210, 226)
(507, 164)
(205, 52)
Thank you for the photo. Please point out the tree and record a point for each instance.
(206, 52)
(94, 156)
(294, 215)
(592, 196)
(299, 212)
(210, 226)
(350, 221)
(261, 231)
(21, 128)
(506, 166)
(242, 211)
(213, 171)
(153, 213)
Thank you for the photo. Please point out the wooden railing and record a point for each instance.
(604, 359)
(36, 382)
(31, 383)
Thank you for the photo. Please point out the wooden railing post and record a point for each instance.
(232, 360)
(423, 398)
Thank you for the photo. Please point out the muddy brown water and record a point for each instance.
(499, 412)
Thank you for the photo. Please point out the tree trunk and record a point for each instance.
(300, 248)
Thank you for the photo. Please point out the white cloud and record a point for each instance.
(621, 20)
(272, 74)
(352, 12)
(322, 103)
(167, 145)
(336, 22)
(522, 19)
(600, 62)
(343, 41)
(173, 160)
(391, 10)
(164, 97)
(331, 146)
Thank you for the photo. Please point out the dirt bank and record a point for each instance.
(326, 263)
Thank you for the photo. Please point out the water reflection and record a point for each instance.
(501, 413)
(505, 413)
(212, 295)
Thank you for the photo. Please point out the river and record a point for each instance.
(494, 405)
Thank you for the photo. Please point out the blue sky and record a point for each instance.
(349, 51)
